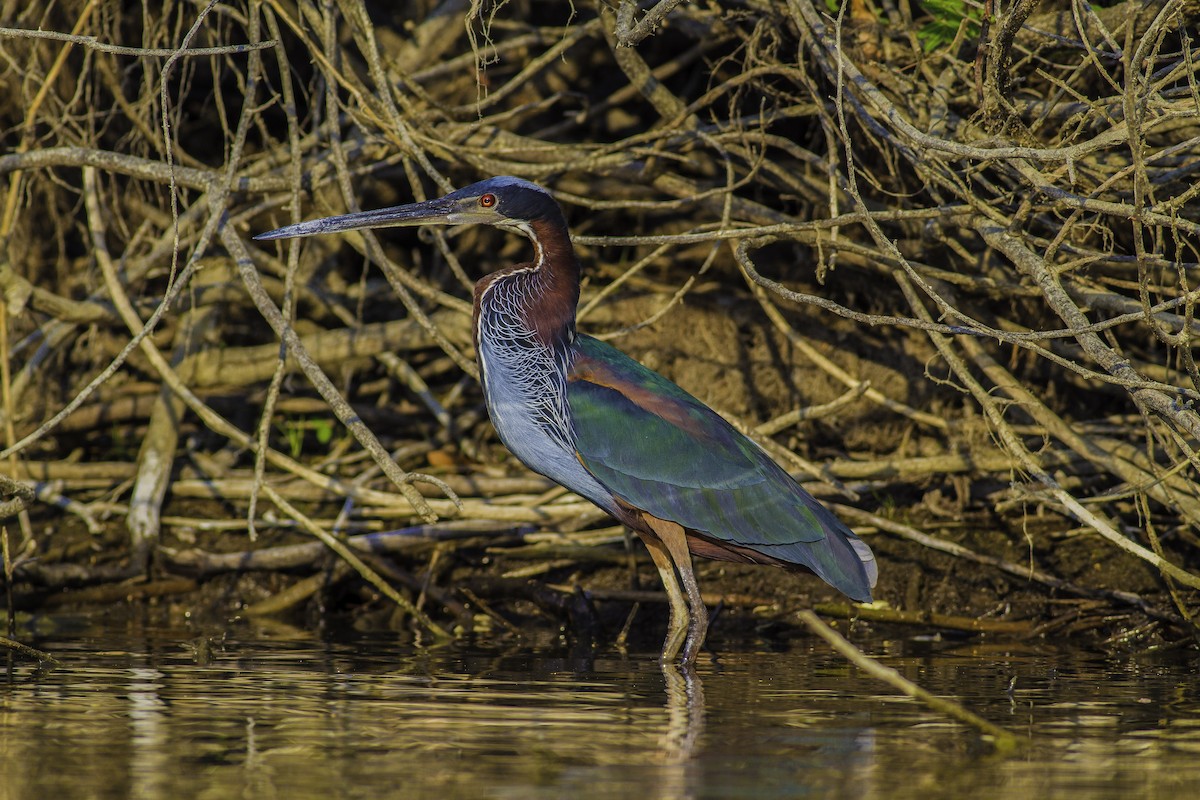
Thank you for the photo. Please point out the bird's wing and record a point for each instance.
(661, 450)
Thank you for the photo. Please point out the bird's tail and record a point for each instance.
(840, 558)
(845, 562)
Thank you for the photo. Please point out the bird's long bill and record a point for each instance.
(440, 210)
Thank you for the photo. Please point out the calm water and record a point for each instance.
(143, 712)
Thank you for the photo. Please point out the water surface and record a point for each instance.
(147, 712)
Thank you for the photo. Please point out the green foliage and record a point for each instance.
(294, 431)
(946, 17)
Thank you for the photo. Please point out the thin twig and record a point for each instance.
(367, 574)
(1002, 740)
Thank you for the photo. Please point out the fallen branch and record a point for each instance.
(1002, 740)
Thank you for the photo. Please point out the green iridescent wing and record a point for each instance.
(663, 451)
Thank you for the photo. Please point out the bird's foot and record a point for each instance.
(697, 632)
(678, 630)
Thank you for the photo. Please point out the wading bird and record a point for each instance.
(589, 417)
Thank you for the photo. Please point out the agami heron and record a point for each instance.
(589, 417)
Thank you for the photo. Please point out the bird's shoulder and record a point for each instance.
(596, 365)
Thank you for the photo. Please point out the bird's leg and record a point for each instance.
(678, 627)
(698, 621)
(673, 538)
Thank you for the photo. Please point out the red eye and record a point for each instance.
(488, 200)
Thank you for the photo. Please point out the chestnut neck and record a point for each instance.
(552, 288)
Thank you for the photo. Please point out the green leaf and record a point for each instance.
(946, 17)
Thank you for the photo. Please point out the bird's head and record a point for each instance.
(505, 202)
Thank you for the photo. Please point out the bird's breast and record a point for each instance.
(525, 387)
